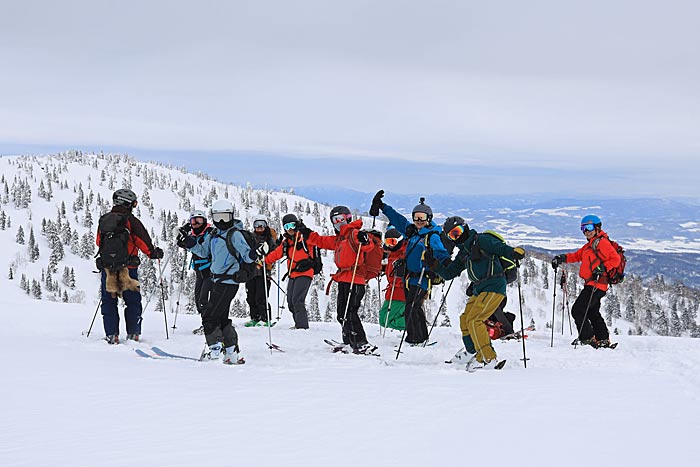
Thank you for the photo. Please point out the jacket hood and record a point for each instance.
(356, 224)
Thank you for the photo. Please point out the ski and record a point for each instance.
(517, 334)
(162, 353)
(143, 354)
(339, 347)
(274, 347)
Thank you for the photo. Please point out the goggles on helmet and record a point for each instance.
(391, 241)
(222, 216)
(197, 220)
(455, 232)
(420, 217)
(259, 224)
(587, 228)
(290, 226)
(340, 219)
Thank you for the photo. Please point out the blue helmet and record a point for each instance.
(591, 219)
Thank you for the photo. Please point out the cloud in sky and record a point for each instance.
(544, 84)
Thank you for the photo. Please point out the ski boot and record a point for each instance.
(112, 339)
(133, 337)
(232, 356)
(251, 323)
(213, 352)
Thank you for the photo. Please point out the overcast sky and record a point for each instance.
(551, 94)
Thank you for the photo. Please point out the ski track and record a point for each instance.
(93, 404)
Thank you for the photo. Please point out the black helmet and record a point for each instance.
(422, 207)
(452, 222)
(124, 197)
(392, 233)
(340, 215)
(289, 218)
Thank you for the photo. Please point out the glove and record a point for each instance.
(186, 242)
(262, 249)
(411, 230)
(377, 204)
(559, 259)
(363, 237)
(598, 271)
(157, 253)
(518, 253)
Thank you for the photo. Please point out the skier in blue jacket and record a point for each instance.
(224, 265)
(422, 237)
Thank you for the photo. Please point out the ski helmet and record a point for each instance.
(222, 214)
(452, 222)
(124, 197)
(591, 219)
(392, 239)
(290, 219)
(392, 233)
(197, 213)
(424, 208)
(340, 215)
(260, 221)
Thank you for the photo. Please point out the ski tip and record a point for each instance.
(500, 365)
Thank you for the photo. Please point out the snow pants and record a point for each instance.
(202, 287)
(474, 332)
(416, 327)
(350, 296)
(256, 296)
(297, 288)
(392, 317)
(594, 324)
(217, 325)
(132, 312)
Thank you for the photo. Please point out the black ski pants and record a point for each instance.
(297, 289)
(256, 296)
(217, 325)
(416, 327)
(202, 288)
(353, 332)
(594, 324)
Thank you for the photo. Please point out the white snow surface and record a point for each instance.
(71, 400)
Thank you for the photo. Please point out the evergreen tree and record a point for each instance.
(23, 283)
(545, 275)
(314, 309)
(20, 235)
(32, 247)
(10, 275)
(331, 304)
(36, 289)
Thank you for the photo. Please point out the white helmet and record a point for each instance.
(222, 205)
(260, 220)
(222, 214)
(197, 213)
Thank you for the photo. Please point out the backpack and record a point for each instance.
(510, 269)
(312, 262)
(373, 259)
(617, 274)
(246, 271)
(113, 253)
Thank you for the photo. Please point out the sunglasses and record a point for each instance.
(259, 224)
(222, 216)
(290, 226)
(587, 228)
(197, 220)
(340, 219)
(391, 241)
(455, 232)
(420, 218)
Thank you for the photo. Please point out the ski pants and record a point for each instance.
(594, 324)
(471, 322)
(202, 287)
(256, 295)
(132, 312)
(297, 288)
(414, 316)
(350, 296)
(217, 325)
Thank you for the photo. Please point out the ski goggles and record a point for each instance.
(290, 226)
(340, 219)
(197, 220)
(222, 216)
(587, 228)
(391, 241)
(259, 224)
(455, 232)
(420, 217)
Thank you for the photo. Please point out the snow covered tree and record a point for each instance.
(36, 289)
(32, 246)
(314, 309)
(19, 238)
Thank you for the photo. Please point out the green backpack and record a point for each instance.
(510, 268)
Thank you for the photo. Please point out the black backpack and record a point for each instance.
(312, 262)
(114, 242)
(246, 271)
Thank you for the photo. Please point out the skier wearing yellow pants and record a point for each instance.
(481, 255)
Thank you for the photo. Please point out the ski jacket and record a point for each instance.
(268, 236)
(607, 256)
(345, 251)
(199, 264)
(222, 261)
(295, 249)
(395, 285)
(483, 269)
(138, 235)
(416, 245)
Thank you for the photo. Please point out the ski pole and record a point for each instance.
(278, 291)
(388, 310)
(411, 313)
(352, 284)
(585, 315)
(179, 293)
(143, 310)
(279, 288)
(162, 298)
(554, 304)
(267, 307)
(444, 298)
(522, 322)
(93, 317)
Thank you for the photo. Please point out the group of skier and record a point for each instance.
(417, 254)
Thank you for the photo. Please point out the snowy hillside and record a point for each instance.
(73, 400)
